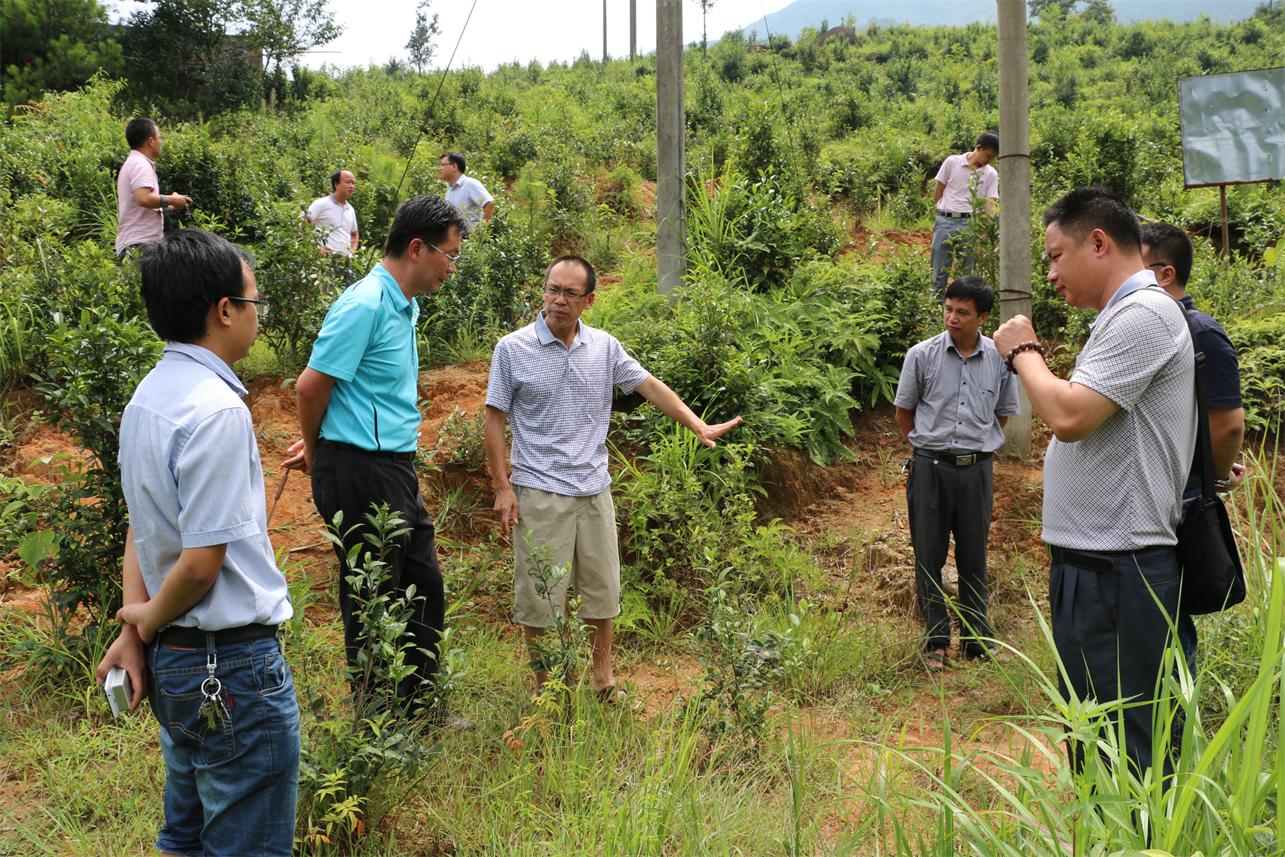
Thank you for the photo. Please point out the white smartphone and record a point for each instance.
(119, 689)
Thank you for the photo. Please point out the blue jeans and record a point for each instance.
(229, 790)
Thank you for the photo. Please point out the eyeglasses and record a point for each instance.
(452, 256)
(554, 292)
(260, 304)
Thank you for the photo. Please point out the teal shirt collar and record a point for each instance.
(393, 291)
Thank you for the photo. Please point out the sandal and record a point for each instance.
(934, 660)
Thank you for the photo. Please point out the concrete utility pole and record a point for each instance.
(604, 31)
(633, 30)
(1015, 192)
(671, 252)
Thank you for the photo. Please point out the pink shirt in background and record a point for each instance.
(960, 180)
(135, 224)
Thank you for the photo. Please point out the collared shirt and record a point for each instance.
(1120, 488)
(1222, 365)
(192, 478)
(963, 183)
(367, 343)
(134, 223)
(559, 404)
(336, 223)
(470, 197)
(957, 401)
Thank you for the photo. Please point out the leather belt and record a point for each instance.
(379, 453)
(194, 638)
(1092, 560)
(959, 459)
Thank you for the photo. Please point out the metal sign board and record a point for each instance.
(1233, 127)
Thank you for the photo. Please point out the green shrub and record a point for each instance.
(1260, 344)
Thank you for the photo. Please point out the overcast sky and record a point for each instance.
(506, 30)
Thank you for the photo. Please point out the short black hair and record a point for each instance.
(1087, 208)
(335, 177)
(428, 218)
(988, 140)
(457, 159)
(1170, 245)
(591, 276)
(186, 273)
(139, 130)
(975, 289)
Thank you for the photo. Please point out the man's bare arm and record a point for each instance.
(659, 394)
(906, 421)
(1226, 433)
(506, 501)
(312, 394)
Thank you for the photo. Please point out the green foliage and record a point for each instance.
(496, 287)
(53, 45)
(461, 436)
(1260, 345)
(92, 368)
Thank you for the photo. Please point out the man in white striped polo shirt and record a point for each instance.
(552, 381)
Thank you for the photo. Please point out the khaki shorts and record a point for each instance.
(575, 532)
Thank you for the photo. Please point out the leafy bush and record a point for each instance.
(92, 368)
(1260, 344)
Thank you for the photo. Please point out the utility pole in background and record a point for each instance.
(1015, 193)
(604, 32)
(671, 253)
(633, 30)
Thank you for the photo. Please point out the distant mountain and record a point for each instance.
(791, 20)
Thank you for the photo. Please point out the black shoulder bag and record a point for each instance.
(1212, 576)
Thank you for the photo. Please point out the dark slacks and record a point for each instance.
(945, 499)
(350, 480)
(1111, 626)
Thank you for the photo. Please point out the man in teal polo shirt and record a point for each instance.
(360, 424)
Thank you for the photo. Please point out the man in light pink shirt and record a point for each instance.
(961, 180)
(140, 205)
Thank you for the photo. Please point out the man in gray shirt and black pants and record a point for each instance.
(1124, 430)
(953, 399)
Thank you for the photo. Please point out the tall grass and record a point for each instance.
(1229, 768)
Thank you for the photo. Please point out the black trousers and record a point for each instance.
(945, 499)
(1111, 625)
(349, 480)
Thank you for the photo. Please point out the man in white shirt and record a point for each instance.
(140, 206)
(334, 217)
(465, 192)
(961, 180)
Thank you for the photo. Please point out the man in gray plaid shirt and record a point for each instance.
(1124, 431)
(551, 382)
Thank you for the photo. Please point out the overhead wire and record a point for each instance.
(423, 126)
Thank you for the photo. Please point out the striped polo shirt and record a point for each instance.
(559, 404)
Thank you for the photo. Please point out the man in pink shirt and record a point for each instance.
(961, 181)
(140, 205)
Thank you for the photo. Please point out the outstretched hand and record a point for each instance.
(506, 504)
(709, 435)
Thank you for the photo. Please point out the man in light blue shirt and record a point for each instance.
(360, 423)
(202, 592)
(466, 193)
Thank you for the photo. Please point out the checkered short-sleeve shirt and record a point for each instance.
(1120, 488)
(559, 404)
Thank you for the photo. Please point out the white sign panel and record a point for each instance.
(1233, 127)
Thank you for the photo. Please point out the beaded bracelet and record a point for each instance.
(1018, 349)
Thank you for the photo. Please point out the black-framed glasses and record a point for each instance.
(554, 291)
(260, 304)
(452, 256)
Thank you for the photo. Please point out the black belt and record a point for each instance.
(959, 459)
(958, 215)
(1093, 560)
(348, 447)
(194, 638)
